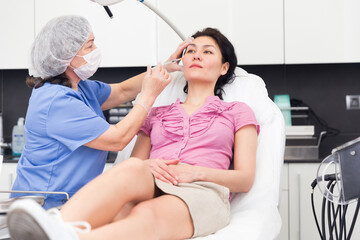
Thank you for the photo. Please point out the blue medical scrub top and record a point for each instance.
(59, 121)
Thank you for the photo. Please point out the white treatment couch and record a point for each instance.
(254, 215)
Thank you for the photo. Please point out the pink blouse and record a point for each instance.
(205, 138)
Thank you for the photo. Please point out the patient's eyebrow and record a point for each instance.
(203, 46)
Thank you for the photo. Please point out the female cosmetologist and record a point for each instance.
(67, 136)
(165, 199)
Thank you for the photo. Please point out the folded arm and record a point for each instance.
(238, 180)
(159, 167)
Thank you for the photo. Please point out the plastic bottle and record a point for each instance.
(18, 137)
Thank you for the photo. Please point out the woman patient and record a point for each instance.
(176, 184)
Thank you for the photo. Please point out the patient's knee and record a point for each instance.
(145, 209)
(147, 215)
(133, 167)
(136, 165)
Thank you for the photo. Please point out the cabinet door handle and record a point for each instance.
(299, 199)
(11, 180)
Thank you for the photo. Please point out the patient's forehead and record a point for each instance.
(204, 41)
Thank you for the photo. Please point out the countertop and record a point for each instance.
(303, 161)
(9, 158)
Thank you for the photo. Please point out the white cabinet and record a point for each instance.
(262, 31)
(257, 31)
(7, 178)
(284, 204)
(301, 223)
(322, 31)
(137, 37)
(129, 39)
(254, 27)
(17, 32)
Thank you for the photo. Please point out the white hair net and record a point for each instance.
(57, 44)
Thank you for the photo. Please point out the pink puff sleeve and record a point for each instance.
(146, 127)
(244, 115)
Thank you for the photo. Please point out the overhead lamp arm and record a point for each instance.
(106, 3)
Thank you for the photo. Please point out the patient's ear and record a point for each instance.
(224, 68)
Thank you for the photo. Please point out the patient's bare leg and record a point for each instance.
(164, 217)
(125, 211)
(102, 199)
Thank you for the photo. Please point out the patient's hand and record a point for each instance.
(177, 54)
(162, 171)
(186, 173)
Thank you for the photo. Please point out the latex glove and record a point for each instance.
(161, 170)
(153, 84)
(172, 67)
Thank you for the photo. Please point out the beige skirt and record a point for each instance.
(208, 204)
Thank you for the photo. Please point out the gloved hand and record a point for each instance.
(154, 82)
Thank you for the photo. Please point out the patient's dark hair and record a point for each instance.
(36, 82)
(228, 55)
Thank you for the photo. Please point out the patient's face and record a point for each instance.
(203, 60)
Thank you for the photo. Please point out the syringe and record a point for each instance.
(172, 61)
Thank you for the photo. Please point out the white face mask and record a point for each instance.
(93, 60)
